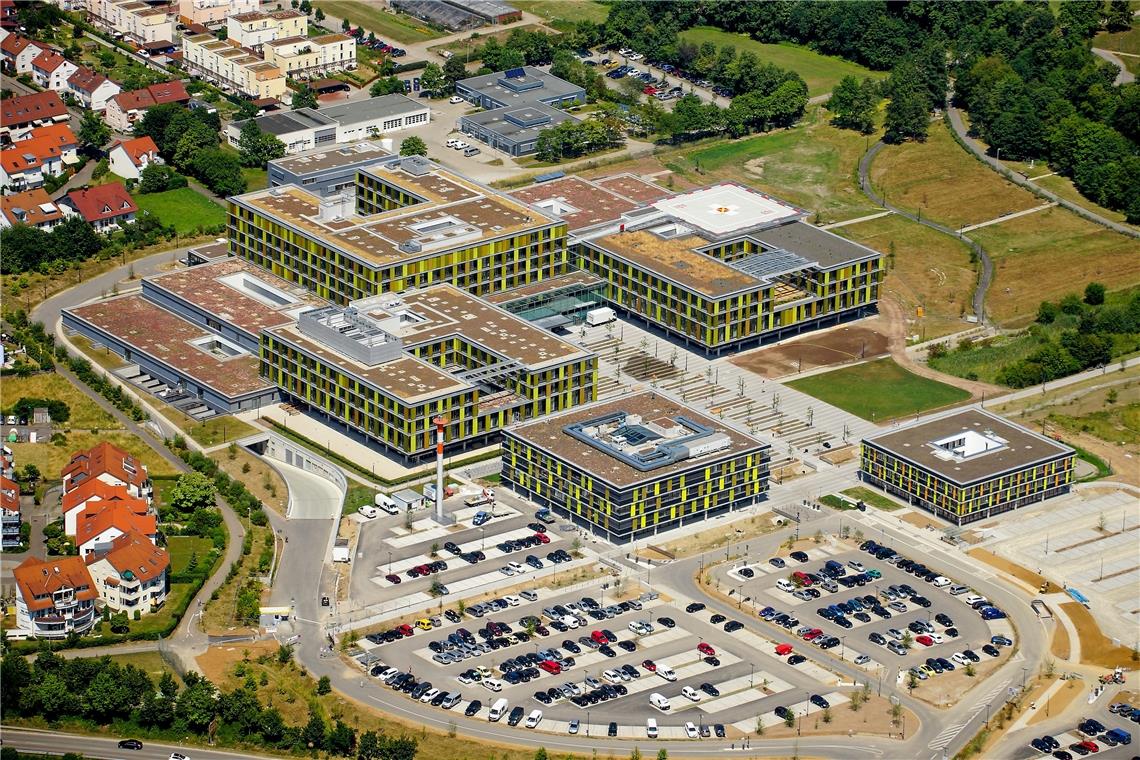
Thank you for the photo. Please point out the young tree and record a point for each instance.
(344, 25)
(93, 133)
(433, 81)
(1094, 294)
(319, 16)
(413, 146)
(853, 104)
(304, 98)
(324, 686)
(454, 70)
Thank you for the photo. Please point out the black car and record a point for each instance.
(612, 729)
(570, 646)
(607, 650)
(543, 697)
(921, 601)
(796, 659)
(991, 650)
(667, 622)
(628, 646)
(515, 716)
(877, 638)
(972, 656)
(819, 702)
(799, 556)
(718, 729)
(709, 689)
(452, 547)
(1061, 754)
(630, 671)
(747, 572)
(714, 661)
(718, 618)
(1051, 742)
(695, 607)
(943, 619)
(130, 744)
(437, 700)
(732, 626)
(1039, 745)
(782, 712)
(951, 633)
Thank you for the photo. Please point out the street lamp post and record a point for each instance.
(587, 723)
(751, 672)
(389, 563)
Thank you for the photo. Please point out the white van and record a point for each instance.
(940, 582)
(666, 672)
(493, 684)
(498, 709)
(387, 503)
(691, 694)
(651, 728)
(660, 702)
(368, 511)
(569, 621)
(783, 584)
(533, 719)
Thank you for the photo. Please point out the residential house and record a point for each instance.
(131, 574)
(91, 88)
(54, 597)
(31, 207)
(27, 163)
(10, 519)
(312, 56)
(18, 53)
(252, 30)
(102, 522)
(105, 207)
(129, 158)
(222, 63)
(22, 114)
(90, 493)
(50, 70)
(124, 109)
(132, 20)
(107, 462)
(210, 12)
(9, 20)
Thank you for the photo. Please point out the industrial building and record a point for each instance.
(633, 466)
(967, 465)
(458, 15)
(311, 128)
(519, 104)
(410, 225)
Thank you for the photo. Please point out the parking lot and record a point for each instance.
(718, 681)
(1120, 712)
(880, 618)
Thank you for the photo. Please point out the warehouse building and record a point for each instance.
(631, 467)
(312, 128)
(967, 465)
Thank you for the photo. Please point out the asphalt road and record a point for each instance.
(58, 743)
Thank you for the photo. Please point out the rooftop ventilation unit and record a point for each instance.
(411, 246)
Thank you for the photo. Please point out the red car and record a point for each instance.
(650, 90)
(783, 649)
(814, 633)
(802, 578)
(542, 538)
(650, 665)
(599, 637)
(405, 630)
(392, 578)
(925, 640)
(706, 649)
(1091, 746)
(551, 667)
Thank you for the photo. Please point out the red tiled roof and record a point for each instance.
(135, 554)
(49, 61)
(39, 578)
(9, 494)
(137, 148)
(30, 204)
(106, 457)
(154, 95)
(57, 134)
(29, 154)
(92, 488)
(97, 518)
(26, 108)
(14, 44)
(103, 202)
(86, 80)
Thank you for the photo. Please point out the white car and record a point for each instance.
(507, 570)
(429, 695)
(691, 730)
(937, 638)
(534, 719)
(972, 599)
(612, 676)
(452, 142)
(960, 658)
(464, 679)
(460, 145)
(519, 569)
(688, 692)
(512, 600)
(454, 99)
(856, 565)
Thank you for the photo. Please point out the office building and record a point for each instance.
(518, 105)
(633, 466)
(967, 465)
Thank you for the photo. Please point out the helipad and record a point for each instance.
(727, 208)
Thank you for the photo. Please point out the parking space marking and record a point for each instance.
(801, 708)
(766, 647)
(742, 693)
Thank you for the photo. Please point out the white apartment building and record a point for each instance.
(252, 30)
(312, 56)
(228, 66)
(132, 20)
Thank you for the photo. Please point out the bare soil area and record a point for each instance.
(841, 345)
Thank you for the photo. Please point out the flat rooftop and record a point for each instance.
(519, 123)
(170, 340)
(577, 278)
(825, 248)
(576, 201)
(313, 161)
(215, 250)
(237, 293)
(727, 209)
(456, 214)
(549, 434)
(525, 85)
(444, 311)
(969, 445)
(287, 122)
(677, 259)
(379, 107)
(634, 188)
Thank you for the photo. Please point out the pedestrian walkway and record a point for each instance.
(1006, 217)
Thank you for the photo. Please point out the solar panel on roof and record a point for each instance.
(515, 73)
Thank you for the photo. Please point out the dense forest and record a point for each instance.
(1026, 75)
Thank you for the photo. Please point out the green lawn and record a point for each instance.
(388, 26)
(186, 209)
(565, 10)
(256, 178)
(879, 390)
(1125, 42)
(181, 547)
(357, 497)
(875, 499)
(821, 72)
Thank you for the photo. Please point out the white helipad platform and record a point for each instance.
(726, 208)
